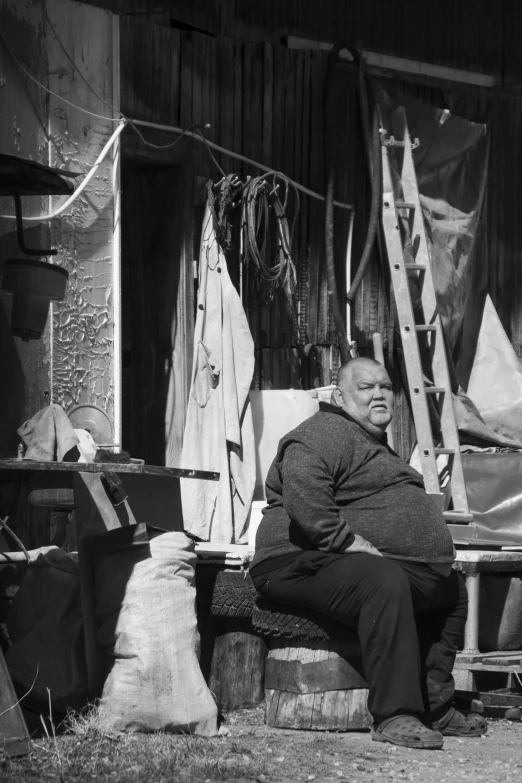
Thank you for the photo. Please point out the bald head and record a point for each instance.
(364, 391)
(346, 371)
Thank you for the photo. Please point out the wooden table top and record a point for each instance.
(105, 467)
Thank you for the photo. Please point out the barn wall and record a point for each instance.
(266, 102)
(469, 34)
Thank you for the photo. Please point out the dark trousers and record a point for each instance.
(409, 619)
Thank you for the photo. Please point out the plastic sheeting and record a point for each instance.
(494, 485)
(451, 167)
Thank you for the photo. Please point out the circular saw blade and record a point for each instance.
(94, 420)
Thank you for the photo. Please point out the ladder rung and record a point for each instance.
(435, 390)
(404, 205)
(444, 451)
(426, 327)
(416, 267)
(458, 516)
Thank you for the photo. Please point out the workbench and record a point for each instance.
(473, 667)
(151, 499)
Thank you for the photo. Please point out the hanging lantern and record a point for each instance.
(33, 285)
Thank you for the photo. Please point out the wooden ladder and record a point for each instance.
(420, 325)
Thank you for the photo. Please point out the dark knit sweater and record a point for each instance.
(331, 479)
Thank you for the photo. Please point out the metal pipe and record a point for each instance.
(349, 276)
(116, 239)
(378, 353)
(236, 155)
(79, 189)
(471, 631)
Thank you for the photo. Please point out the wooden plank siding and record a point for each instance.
(223, 63)
(266, 102)
(469, 34)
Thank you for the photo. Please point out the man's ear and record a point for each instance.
(337, 397)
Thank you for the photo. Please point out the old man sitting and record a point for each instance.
(350, 532)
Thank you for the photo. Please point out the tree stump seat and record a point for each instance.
(313, 672)
(312, 676)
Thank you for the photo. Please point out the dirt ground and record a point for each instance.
(255, 752)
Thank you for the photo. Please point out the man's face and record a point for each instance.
(366, 394)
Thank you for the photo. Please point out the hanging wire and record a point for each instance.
(66, 204)
(43, 87)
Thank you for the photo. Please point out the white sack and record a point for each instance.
(146, 606)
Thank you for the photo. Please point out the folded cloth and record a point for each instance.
(49, 435)
(86, 445)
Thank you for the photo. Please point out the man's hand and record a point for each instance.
(361, 545)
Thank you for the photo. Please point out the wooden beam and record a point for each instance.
(378, 62)
(94, 514)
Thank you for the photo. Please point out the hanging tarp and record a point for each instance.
(495, 383)
(450, 157)
(451, 167)
(493, 487)
(219, 434)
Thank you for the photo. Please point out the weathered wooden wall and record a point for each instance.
(266, 102)
(470, 34)
(157, 310)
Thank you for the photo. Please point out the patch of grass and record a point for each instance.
(89, 750)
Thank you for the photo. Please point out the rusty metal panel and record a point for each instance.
(22, 132)
(83, 358)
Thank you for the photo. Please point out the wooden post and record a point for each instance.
(14, 737)
(94, 514)
(238, 665)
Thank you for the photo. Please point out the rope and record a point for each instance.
(259, 202)
(220, 202)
